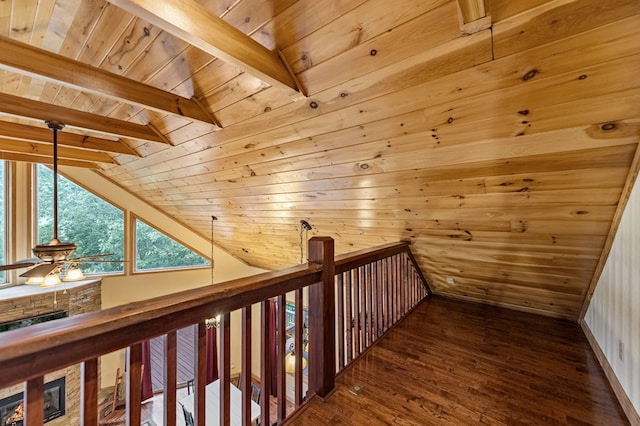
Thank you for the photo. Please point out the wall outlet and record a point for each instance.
(233, 366)
(621, 350)
(450, 280)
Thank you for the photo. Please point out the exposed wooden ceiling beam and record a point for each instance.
(28, 60)
(33, 148)
(190, 21)
(42, 134)
(23, 107)
(12, 156)
(472, 10)
(472, 16)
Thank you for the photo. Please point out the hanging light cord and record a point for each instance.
(213, 218)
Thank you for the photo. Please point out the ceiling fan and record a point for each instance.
(52, 256)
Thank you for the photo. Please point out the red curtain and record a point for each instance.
(273, 352)
(147, 389)
(212, 354)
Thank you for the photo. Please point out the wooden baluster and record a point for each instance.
(200, 393)
(246, 366)
(363, 307)
(225, 363)
(408, 266)
(392, 292)
(401, 284)
(383, 296)
(134, 384)
(398, 284)
(349, 316)
(265, 365)
(415, 287)
(299, 348)
(416, 283)
(322, 369)
(340, 318)
(356, 313)
(402, 280)
(407, 284)
(375, 309)
(380, 296)
(282, 341)
(89, 392)
(34, 406)
(373, 306)
(387, 289)
(171, 377)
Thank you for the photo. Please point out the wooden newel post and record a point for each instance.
(322, 352)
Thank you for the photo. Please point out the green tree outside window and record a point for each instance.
(94, 225)
(155, 250)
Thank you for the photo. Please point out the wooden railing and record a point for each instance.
(374, 290)
(352, 301)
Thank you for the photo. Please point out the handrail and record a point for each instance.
(375, 289)
(42, 348)
(355, 259)
(29, 353)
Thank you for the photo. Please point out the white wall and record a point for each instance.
(613, 315)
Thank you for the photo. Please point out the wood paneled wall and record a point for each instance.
(501, 155)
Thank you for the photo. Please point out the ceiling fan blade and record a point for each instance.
(95, 256)
(40, 270)
(24, 263)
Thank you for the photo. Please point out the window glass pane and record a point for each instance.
(155, 250)
(3, 247)
(85, 219)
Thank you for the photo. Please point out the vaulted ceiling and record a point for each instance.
(498, 137)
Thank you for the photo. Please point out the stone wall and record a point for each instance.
(27, 301)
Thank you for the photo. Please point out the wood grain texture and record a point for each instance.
(89, 384)
(189, 21)
(30, 61)
(66, 138)
(34, 402)
(452, 363)
(501, 155)
(472, 10)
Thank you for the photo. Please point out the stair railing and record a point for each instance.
(352, 301)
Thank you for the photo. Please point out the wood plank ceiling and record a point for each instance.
(498, 137)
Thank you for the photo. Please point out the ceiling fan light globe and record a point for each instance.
(51, 280)
(35, 280)
(73, 274)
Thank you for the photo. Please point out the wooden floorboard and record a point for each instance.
(456, 363)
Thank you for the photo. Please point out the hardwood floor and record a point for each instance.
(456, 363)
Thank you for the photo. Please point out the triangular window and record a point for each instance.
(156, 251)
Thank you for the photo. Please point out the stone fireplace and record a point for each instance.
(26, 302)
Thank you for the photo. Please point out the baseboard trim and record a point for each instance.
(626, 404)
